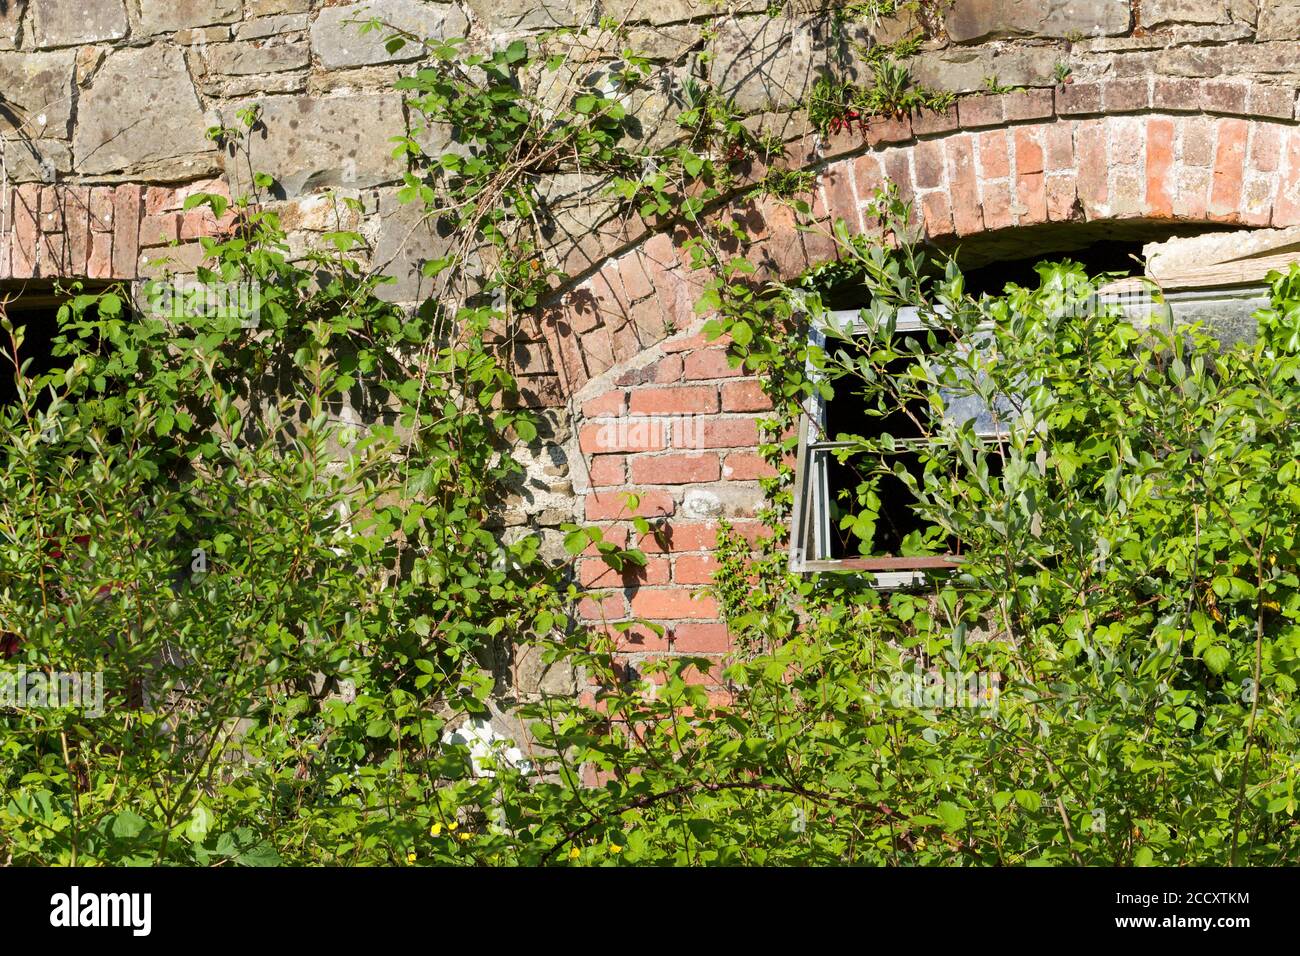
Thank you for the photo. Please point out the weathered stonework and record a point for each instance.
(1163, 13)
(254, 57)
(140, 119)
(37, 89)
(67, 24)
(969, 69)
(164, 16)
(338, 44)
(527, 16)
(765, 62)
(263, 8)
(1278, 19)
(308, 142)
(11, 15)
(406, 240)
(971, 20)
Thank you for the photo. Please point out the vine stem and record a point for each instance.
(1254, 707)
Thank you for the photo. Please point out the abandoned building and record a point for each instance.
(1092, 129)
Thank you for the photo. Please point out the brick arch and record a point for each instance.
(110, 231)
(1141, 151)
(1154, 149)
(1156, 167)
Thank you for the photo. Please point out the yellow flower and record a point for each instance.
(435, 829)
(452, 826)
(410, 858)
(615, 848)
(464, 837)
(574, 853)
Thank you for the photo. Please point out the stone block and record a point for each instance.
(266, 8)
(272, 26)
(250, 58)
(37, 94)
(973, 20)
(765, 62)
(1162, 13)
(338, 42)
(1279, 20)
(967, 69)
(673, 11)
(11, 17)
(141, 118)
(407, 239)
(167, 16)
(305, 142)
(67, 24)
(516, 16)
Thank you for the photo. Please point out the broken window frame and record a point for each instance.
(1215, 277)
(810, 533)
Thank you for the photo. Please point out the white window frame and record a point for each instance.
(810, 530)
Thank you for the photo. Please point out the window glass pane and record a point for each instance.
(962, 402)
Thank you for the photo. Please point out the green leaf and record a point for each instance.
(953, 816)
(127, 825)
(1217, 658)
(200, 822)
(263, 854)
(1029, 800)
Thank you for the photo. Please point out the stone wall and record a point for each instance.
(1150, 110)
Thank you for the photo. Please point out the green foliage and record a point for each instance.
(287, 609)
(294, 613)
(290, 611)
(837, 105)
(993, 85)
(1128, 571)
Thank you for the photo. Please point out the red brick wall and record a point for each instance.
(100, 232)
(1146, 148)
(619, 344)
(1152, 149)
(681, 433)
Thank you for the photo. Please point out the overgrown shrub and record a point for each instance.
(290, 610)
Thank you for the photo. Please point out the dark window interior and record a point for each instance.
(33, 306)
(41, 325)
(847, 413)
(991, 278)
(1105, 256)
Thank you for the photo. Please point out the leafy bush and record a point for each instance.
(287, 607)
(292, 610)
